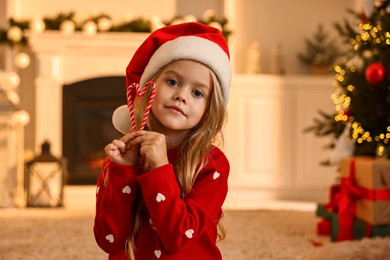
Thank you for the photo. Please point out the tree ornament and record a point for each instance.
(9, 80)
(178, 21)
(156, 23)
(347, 113)
(90, 28)
(253, 65)
(190, 18)
(375, 73)
(67, 27)
(104, 24)
(37, 25)
(22, 60)
(344, 146)
(216, 25)
(15, 34)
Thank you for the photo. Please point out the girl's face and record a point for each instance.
(183, 90)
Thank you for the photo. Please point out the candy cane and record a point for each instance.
(132, 92)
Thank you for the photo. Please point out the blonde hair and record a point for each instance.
(192, 152)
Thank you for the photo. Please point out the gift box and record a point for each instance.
(345, 164)
(360, 229)
(323, 227)
(323, 212)
(373, 175)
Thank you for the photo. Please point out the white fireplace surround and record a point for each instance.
(64, 59)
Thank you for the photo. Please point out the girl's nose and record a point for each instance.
(180, 95)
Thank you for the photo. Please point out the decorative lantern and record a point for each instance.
(45, 178)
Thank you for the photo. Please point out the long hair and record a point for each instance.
(192, 152)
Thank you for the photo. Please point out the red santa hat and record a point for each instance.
(193, 41)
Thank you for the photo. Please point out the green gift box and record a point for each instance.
(360, 229)
(323, 212)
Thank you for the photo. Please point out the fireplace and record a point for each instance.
(87, 125)
(79, 82)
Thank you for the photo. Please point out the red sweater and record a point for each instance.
(172, 227)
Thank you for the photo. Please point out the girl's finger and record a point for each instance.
(142, 137)
(120, 144)
(110, 147)
(126, 138)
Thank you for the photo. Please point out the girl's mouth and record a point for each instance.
(177, 109)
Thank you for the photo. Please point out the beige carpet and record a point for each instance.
(66, 233)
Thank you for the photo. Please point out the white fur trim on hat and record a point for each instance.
(193, 48)
(121, 119)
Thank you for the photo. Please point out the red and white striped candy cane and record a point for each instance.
(134, 91)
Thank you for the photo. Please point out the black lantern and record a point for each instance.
(45, 177)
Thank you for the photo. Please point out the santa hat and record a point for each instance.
(193, 41)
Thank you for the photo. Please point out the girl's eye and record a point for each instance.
(197, 93)
(172, 82)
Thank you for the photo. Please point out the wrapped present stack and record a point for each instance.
(359, 206)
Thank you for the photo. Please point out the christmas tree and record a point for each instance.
(362, 94)
(320, 52)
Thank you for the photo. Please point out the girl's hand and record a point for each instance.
(153, 147)
(122, 152)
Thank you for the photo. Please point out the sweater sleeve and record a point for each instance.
(180, 221)
(114, 206)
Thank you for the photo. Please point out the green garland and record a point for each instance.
(135, 25)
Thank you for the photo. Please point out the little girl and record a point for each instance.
(161, 190)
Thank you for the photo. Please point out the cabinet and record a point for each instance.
(270, 155)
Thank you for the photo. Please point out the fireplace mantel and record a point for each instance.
(63, 59)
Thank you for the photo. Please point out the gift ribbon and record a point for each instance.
(334, 196)
(346, 205)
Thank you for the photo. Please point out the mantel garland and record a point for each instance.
(16, 33)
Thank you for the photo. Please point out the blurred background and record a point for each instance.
(62, 65)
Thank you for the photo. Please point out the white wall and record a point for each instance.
(285, 22)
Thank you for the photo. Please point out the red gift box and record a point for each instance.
(324, 227)
(359, 185)
(372, 177)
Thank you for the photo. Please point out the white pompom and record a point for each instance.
(121, 119)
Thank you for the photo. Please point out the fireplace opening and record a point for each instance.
(87, 127)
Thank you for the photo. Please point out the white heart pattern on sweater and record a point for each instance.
(189, 233)
(216, 175)
(110, 238)
(126, 190)
(160, 197)
(157, 253)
